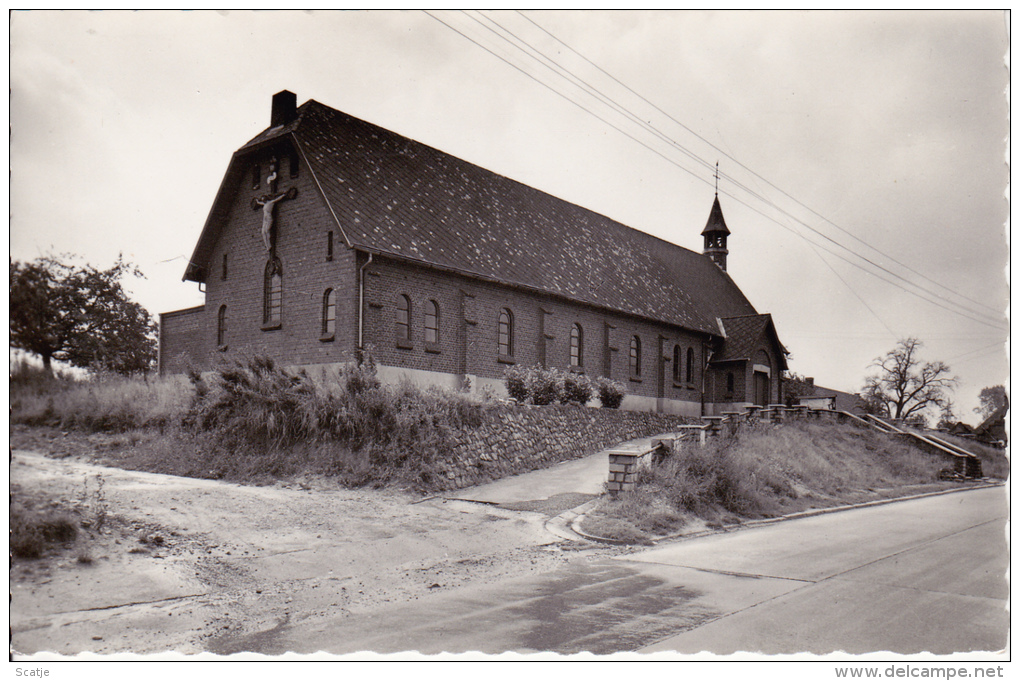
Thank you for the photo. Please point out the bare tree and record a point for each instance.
(904, 387)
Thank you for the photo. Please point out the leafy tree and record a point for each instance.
(81, 315)
(947, 416)
(904, 387)
(991, 398)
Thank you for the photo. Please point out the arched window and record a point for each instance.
(431, 322)
(329, 313)
(576, 346)
(690, 365)
(635, 356)
(221, 327)
(506, 333)
(676, 364)
(403, 318)
(272, 299)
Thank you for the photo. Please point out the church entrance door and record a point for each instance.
(761, 388)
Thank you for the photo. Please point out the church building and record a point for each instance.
(330, 235)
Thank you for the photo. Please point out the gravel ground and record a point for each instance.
(181, 563)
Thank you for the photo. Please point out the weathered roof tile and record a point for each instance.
(395, 195)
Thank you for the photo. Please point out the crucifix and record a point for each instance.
(268, 205)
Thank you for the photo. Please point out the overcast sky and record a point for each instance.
(883, 133)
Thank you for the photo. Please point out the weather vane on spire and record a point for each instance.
(717, 178)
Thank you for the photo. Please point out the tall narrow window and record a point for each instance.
(431, 322)
(293, 165)
(221, 328)
(272, 302)
(677, 375)
(635, 356)
(223, 273)
(403, 319)
(329, 313)
(256, 176)
(729, 382)
(576, 346)
(506, 333)
(690, 365)
(329, 246)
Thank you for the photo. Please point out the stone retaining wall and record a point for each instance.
(516, 439)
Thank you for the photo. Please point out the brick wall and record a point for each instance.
(181, 338)
(516, 439)
(469, 308)
(469, 316)
(302, 233)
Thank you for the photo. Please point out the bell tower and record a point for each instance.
(715, 231)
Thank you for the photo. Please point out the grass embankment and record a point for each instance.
(764, 471)
(255, 422)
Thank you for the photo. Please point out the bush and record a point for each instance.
(544, 385)
(548, 386)
(344, 423)
(610, 392)
(516, 380)
(576, 389)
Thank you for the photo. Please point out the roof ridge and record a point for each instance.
(496, 174)
(393, 194)
(743, 316)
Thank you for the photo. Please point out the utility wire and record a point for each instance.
(592, 90)
(584, 85)
(577, 81)
(735, 198)
(981, 352)
(780, 190)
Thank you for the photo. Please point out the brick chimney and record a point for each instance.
(284, 108)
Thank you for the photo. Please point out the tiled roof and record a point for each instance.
(744, 335)
(392, 195)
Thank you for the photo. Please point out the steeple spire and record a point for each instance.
(716, 231)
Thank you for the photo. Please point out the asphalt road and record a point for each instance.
(906, 577)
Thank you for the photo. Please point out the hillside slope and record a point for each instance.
(765, 471)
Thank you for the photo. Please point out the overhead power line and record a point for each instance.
(764, 179)
(562, 72)
(966, 310)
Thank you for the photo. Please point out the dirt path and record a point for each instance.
(181, 563)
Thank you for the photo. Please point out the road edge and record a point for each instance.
(576, 516)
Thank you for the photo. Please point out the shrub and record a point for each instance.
(344, 423)
(547, 386)
(610, 392)
(516, 381)
(576, 389)
(544, 385)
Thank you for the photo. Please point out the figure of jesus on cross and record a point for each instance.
(268, 205)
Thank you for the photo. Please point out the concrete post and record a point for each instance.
(713, 423)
